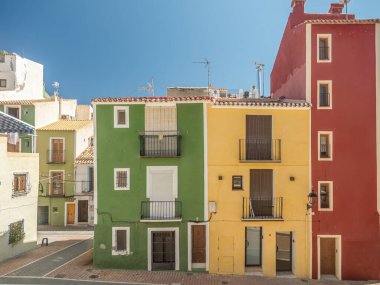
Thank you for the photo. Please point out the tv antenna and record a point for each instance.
(56, 87)
(207, 64)
(149, 87)
(345, 3)
(260, 77)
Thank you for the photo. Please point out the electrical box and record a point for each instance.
(212, 207)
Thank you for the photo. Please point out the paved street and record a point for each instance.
(49, 263)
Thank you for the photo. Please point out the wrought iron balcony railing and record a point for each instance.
(160, 144)
(260, 150)
(262, 209)
(161, 210)
(56, 156)
(55, 189)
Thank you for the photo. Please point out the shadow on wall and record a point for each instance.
(10, 250)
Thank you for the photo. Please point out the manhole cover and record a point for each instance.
(60, 275)
(304, 280)
(189, 274)
(224, 282)
(93, 276)
(88, 269)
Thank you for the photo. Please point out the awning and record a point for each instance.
(9, 124)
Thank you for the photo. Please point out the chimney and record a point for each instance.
(336, 8)
(298, 6)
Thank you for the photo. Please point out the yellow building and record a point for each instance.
(258, 181)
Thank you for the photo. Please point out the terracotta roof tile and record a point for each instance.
(328, 21)
(66, 125)
(86, 157)
(151, 99)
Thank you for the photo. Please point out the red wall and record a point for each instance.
(353, 168)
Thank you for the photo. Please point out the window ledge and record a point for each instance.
(121, 252)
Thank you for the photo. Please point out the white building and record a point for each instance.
(18, 200)
(20, 78)
(84, 187)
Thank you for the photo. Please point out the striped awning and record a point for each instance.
(9, 124)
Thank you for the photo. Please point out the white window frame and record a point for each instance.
(161, 169)
(331, 196)
(51, 177)
(26, 183)
(329, 41)
(330, 134)
(115, 117)
(114, 240)
(324, 82)
(14, 107)
(115, 179)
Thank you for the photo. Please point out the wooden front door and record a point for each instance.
(261, 192)
(57, 151)
(327, 256)
(198, 242)
(82, 211)
(70, 214)
(258, 137)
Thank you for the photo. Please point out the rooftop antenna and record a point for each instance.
(260, 78)
(345, 2)
(207, 64)
(56, 87)
(149, 87)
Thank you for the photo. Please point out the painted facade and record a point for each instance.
(336, 69)
(18, 201)
(249, 233)
(58, 145)
(149, 189)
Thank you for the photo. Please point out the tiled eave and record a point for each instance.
(329, 21)
(152, 99)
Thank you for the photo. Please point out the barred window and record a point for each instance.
(16, 232)
(121, 179)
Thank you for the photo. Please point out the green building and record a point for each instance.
(150, 206)
(59, 144)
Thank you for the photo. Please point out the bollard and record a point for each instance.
(45, 240)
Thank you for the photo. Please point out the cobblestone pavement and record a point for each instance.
(25, 258)
(81, 269)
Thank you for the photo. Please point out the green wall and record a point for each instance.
(27, 116)
(43, 146)
(120, 148)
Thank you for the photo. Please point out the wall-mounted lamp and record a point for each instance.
(312, 195)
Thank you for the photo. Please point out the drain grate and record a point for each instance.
(224, 282)
(93, 276)
(89, 270)
(60, 276)
(304, 280)
(189, 274)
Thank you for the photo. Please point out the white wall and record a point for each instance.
(21, 207)
(69, 107)
(81, 177)
(26, 78)
(81, 138)
(46, 113)
(83, 112)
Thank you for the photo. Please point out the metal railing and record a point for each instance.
(160, 144)
(55, 189)
(260, 150)
(56, 156)
(161, 210)
(262, 209)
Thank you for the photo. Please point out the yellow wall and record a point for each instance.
(227, 230)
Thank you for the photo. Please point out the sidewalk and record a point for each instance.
(64, 233)
(25, 258)
(81, 269)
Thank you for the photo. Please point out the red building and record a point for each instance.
(333, 61)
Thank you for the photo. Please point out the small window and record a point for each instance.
(3, 83)
(121, 179)
(20, 184)
(120, 240)
(325, 145)
(324, 48)
(325, 195)
(2, 57)
(13, 111)
(237, 182)
(324, 95)
(121, 117)
(16, 232)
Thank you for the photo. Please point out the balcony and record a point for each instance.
(84, 187)
(260, 150)
(56, 156)
(160, 144)
(55, 189)
(161, 211)
(262, 209)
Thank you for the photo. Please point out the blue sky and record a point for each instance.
(109, 48)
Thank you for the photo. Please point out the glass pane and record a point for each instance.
(253, 246)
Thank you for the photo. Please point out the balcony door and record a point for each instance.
(259, 137)
(160, 131)
(261, 192)
(162, 189)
